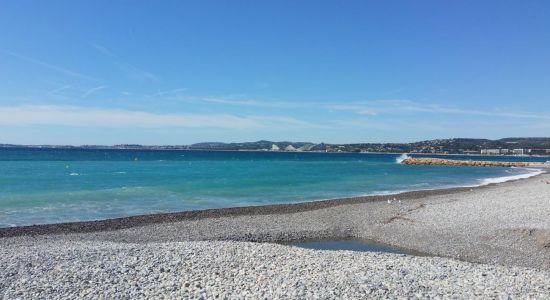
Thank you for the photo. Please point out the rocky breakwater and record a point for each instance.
(471, 163)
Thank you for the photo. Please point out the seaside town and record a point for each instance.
(463, 146)
(526, 146)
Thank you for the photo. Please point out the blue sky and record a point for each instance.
(178, 72)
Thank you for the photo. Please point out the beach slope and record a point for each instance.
(488, 242)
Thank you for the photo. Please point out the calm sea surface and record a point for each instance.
(40, 186)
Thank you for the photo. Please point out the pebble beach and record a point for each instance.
(486, 242)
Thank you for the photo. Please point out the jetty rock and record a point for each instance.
(430, 161)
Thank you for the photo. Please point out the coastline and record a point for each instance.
(71, 147)
(491, 241)
(149, 219)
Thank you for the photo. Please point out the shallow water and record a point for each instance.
(350, 245)
(39, 186)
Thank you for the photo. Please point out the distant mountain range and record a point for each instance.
(527, 145)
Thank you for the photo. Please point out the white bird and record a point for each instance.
(389, 201)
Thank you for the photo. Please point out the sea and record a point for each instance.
(42, 186)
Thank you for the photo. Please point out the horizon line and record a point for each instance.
(261, 140)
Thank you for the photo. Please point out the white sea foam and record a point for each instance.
(121, 172)
(401, 158)
(530, 173)
(482, 182)
(74, 174)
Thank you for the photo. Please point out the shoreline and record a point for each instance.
(486, 242)
(271, 209)
(282, 151)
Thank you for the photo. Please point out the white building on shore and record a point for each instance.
(490, 151)
(290, 148)
(518, 151)
(275, 148)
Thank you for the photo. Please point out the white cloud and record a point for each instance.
(57, 92)
(48, 65)
(136, 73)
(93, 90)
(252, 102)
(366, 108)
(233, 102)
(278, 121)
(103, 50)
(128, 69)
(362, 110)
(166, 93)
(117, 118)
(379, 107)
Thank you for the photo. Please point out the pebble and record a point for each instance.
(248, 270)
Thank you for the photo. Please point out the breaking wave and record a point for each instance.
(531, 173)
(401, 158)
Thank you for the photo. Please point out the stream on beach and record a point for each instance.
(359, 245)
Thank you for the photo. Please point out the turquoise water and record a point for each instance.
(39, 186)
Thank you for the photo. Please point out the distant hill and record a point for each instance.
(259, 145)
(529, 145)
(454, 146)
